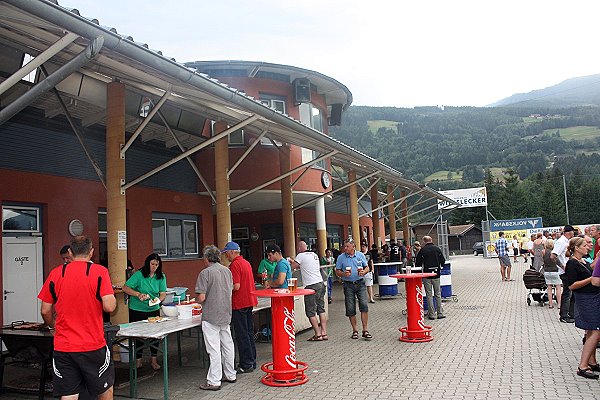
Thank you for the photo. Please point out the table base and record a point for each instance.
(296, 375)
(416, 336)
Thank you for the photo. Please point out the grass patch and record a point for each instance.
(380, 123)
(575, 132)
(443, 176)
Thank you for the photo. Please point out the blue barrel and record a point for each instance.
(387, 286)
(446, 281)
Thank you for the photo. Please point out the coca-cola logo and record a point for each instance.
(289, 326)
(421, 320)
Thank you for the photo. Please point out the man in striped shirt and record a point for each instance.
(502, 251)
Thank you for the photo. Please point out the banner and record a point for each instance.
(515, 224)
(474, 197)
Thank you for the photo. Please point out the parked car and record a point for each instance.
(478, 248)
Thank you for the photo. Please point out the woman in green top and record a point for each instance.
(145, 286)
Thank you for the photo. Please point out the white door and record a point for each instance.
(22, 277)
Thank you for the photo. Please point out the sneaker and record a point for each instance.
(329, 301)
(441, 316)
(234, 380)
(432, 317)
(567, 320)
(208, 386)
(241, 370)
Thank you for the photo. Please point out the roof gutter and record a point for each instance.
(60, 16)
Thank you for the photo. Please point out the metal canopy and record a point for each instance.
(34, 26)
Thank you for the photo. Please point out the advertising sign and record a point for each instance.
(515, 224)
(473, 197)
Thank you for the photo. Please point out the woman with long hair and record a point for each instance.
(145, 286)
(587, 303)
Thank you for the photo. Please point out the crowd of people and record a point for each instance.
(80, 293)
(569, 262)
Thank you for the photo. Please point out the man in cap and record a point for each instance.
(214, 287)
(567, 303)
(242, 302)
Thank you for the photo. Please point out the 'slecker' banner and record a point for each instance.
(474, 197)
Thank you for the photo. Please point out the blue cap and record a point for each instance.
(231, 246)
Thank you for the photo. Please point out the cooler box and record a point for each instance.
(446, 281)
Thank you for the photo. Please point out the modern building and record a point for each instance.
(103, 136)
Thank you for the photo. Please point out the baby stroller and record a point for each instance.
(535, 282)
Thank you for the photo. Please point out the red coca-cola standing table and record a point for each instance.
(284, 370)
(416, 331)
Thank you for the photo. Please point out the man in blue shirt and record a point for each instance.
(283, 270)
(351, 266)
(503, 256)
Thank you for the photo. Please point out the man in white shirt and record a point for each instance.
(567, 304)
(314, 304)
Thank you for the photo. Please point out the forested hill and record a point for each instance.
(460, 143)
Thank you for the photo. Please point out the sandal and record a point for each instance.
(594, 367)
(366, 335)
(586, 373)
(354, 335)
(324, 337)
(550, 306)
(315, 338)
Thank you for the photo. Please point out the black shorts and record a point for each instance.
(73, 372)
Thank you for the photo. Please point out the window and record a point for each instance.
(175, 235)
(20, 219)
(235, 138)
(102, 223)
(311, 116)
(277, 103)
(30, 77)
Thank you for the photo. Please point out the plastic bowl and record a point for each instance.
(170, 310)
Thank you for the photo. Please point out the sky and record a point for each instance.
(388, 53)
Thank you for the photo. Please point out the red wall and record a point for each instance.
(65, 199)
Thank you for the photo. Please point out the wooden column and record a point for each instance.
(391, 212)
(375, 216)
(115, 200)
(404, 207)
(222, 186)
(321, 227)
(354, 209)
(287, 214)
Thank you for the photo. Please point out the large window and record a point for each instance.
(17, 219)
(175, 235)
(311, 116)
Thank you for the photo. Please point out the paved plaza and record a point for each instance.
(492, 345)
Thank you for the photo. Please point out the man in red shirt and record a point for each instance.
(242, 302)
(75, 294)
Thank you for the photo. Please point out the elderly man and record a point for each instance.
(567, 302)
(214, 287)
(351, 266)
(314, 304)
(431, 259)
(242, 302)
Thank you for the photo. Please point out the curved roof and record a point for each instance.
(333, 91)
